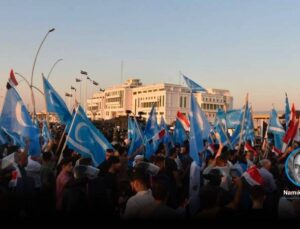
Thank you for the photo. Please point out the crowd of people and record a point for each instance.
(60, 183)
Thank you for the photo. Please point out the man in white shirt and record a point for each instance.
(140, 205)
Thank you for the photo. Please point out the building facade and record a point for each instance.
(169, 98)
(212, 100)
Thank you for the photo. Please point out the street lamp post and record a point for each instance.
(32, 72)
(27, 82)
(49, 74)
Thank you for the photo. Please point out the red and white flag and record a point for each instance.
(276, 151)
(184, 121)
(12, 81)
(253, 177)
(248, 147)
(159, 135)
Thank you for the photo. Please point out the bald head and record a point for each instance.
(265, 163)
(297, 167)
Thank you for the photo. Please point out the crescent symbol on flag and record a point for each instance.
(19, 115)
(78, 127)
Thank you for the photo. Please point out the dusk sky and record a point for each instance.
(243, 46)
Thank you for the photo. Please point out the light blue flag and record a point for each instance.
(220, 126)
(16, 119)
(233, 118)
(179, 135)
(55, 103)
(234, 140)
(249, 127)
(15, 139)
(137, 140)
(287, 112)
(221, 119)
(3, 137)
(201, 118)
(167, 139)
(46, 133)
(192, 85)
(130, 128)
(196, 139)
(276, 129)
(151, 129)
(86, 139)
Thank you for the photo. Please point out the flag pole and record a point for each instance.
(65, 144)
(243, 122)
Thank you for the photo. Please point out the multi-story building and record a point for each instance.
(212, 100)
(95, 106)
(168, 98)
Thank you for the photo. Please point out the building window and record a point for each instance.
(180, 102)
(184, 102)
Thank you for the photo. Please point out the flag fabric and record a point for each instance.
(151, 129)
(193, 86)
(235, 137)
(276, 151)
(86, 139)
(3, 137)
(46, 133)
(130, 128)
(158, 136)
(292, 129)
(276, 129)
(249, 148)
(55, 103)
(167, 139)
(83, 72)
(15, 139)
(287, 112)
(137, 139)
(196, 139)
(233, 118)
(201, 119)
(253, 177)
(12, 81)
(220, 128)
(183, 120)
(16, 119)
(179, 134)
(249, 127)
(221, 135)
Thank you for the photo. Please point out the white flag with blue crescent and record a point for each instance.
(196, 139)
(193, 86)
(86, 139)
(55, 103)
(16, 120)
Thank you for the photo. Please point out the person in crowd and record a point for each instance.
(160, 209)
(62, 180)
(136, 205)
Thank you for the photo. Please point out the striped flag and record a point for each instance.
(183, 120)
